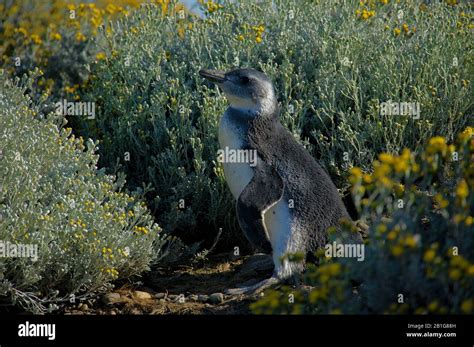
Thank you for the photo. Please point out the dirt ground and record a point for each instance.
(184, 289)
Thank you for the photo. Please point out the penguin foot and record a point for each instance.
(256, 288)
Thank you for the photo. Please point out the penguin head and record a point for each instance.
(245, 89)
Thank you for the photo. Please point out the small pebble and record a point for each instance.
(193, 297)
(216, 298)
(160, 295)
(111, 298)
(139, 295)
(202, 298)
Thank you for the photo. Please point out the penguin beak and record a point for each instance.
(215, 76)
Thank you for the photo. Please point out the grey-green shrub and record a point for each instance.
(88, 232)
(331, 68)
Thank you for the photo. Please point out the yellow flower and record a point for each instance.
(181, 32)
(436, 144)
(111, 8)
(240, 37)
(405, 28)
(367, 178)
(36, 39)
(391, 235)
(21, 30)
(462, 190)
(334, 269)
(400, 164)
(69, 90)
(459, 261)
(386, 182)
(258, 39)
(211, 6)
(457, 218)
(454, 274)
(467, 305)
(381, 228)
(442, 202)
(470, 270)
(80, 37)
(355, 175)
(433, 306)
(381, 170)
(410, 241)
(396, 250)
(100, 56)
(397, 31)
(356, 171)
(399, 189)
(56, 36)
(466, 134)
(469, 220)
(429, 255)
(386, 158)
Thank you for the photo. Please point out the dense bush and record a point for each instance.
(57, 37)
(421, 260)
(333, 63)
(88, 233)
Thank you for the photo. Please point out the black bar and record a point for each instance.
(241, 330)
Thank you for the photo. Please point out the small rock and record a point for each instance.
(160, 295)
(216, 298)
(111, 298)
(172, 297)
(193, 297)
(162, 300)
(113, 313)
(138, 295)
(83, 307)
(135, 311)
(202, 298)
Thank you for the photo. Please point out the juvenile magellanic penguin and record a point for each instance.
(286, 202)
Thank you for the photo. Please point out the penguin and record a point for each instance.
(285, 201)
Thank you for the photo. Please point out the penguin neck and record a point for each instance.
(267, 107)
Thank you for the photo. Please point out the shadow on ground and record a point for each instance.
(184, 289)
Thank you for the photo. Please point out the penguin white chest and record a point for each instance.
(237, 174)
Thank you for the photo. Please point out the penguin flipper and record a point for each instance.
(263, 191)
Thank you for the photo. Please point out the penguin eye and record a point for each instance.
(244, 80)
